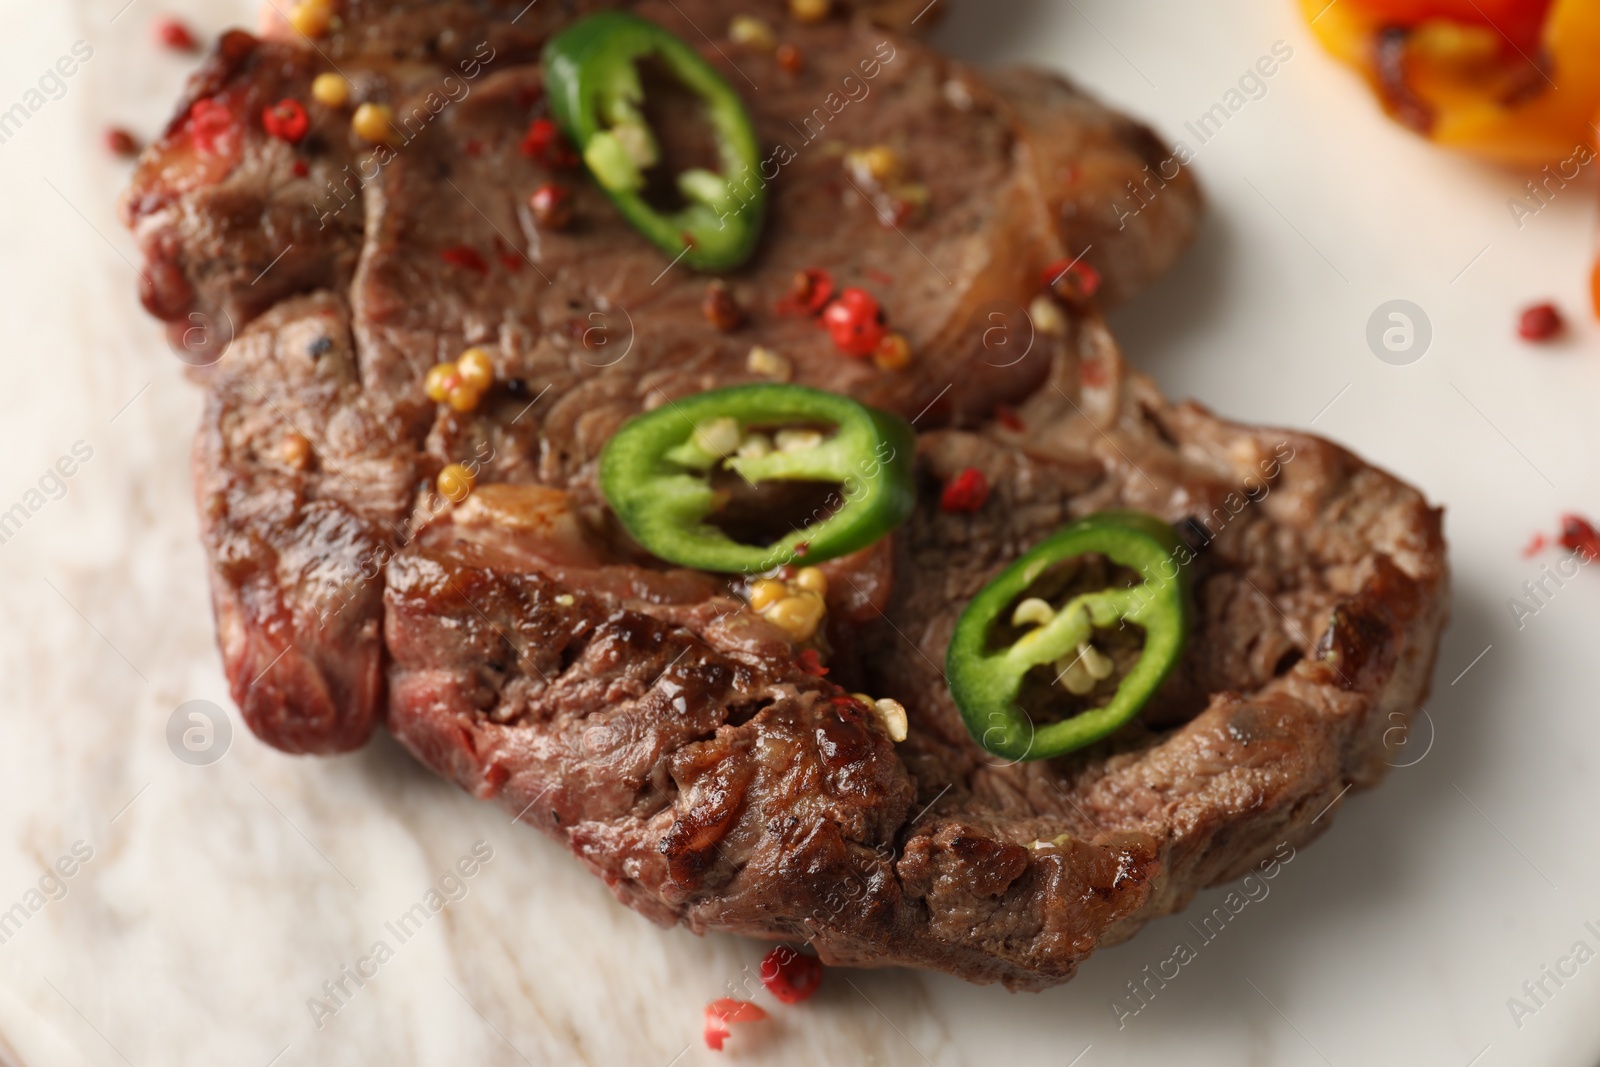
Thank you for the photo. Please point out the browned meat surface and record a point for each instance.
(705, 767)
(708, 778)
(1084, 159)
(588, 321)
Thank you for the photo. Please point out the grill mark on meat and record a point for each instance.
(573, 650)
(741, 713)
(1152, 419)
(1361, 638)
(717, 788)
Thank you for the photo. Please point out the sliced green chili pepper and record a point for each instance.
(596, 97)
(656, 473)
(986, 673)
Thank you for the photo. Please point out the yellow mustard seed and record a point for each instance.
(455, 483)
(311, 17)
(440, 380)
(330, 89)
(751, 32)
(373, 122)
(810, 10)
(476, 369)
(811, 580)
(798, 615)
(767, 592)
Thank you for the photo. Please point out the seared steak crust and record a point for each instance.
(349, 266)
(707, 769)
(710, 779)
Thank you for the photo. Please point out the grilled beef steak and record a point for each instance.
(708, 769)
(421, 249)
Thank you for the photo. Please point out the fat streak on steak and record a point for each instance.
(684, 749)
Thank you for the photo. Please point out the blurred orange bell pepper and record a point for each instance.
(1513, 80)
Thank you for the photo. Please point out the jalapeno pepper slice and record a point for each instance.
(987, 672)
(657, 473)
(596, 97)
